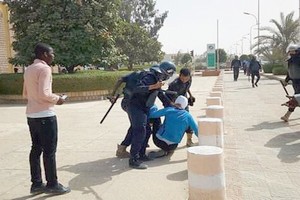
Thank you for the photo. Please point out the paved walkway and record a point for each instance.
(261, 152)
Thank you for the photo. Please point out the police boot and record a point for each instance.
(286, 116)
(121, 152)
(137, 164)
(189, 141)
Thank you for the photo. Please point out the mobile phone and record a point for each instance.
(64, 96)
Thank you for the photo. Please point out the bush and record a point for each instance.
(81, 81)
(268, 68)
(279, 71)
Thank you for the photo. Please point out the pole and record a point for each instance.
(218, 52)
(299, 22)
(258, 40)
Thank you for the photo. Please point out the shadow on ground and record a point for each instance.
(289, 144)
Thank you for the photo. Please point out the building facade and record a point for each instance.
(5, 40)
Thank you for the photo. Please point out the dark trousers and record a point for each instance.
(296, 86)
(139, 130)
(43, 133)
(163, 145)
(236, 71)
(253, 74)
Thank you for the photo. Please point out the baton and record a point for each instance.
(284, 88)
(113, 103)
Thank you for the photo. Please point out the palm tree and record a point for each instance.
(273, 46)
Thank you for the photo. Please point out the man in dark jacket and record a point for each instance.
(254, 68)
(235, 65)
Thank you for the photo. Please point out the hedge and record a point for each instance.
(268, 68)
(81, 81)
(279, 71)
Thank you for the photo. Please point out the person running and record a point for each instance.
(254, 68)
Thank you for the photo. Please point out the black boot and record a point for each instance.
(136, 164)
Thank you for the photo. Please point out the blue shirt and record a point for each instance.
(176, 122)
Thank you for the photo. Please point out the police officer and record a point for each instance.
(293, 74)
(138, 105)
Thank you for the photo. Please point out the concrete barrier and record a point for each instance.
(213, 101)
(217, 89)
(211, 132)
(206, 177)
(216, 94)
(215, 111)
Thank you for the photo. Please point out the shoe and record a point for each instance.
(256, 85)
(189, 142)
(286, 117)
(121, 152)
(252, 85)
(157, 154)
(37, 189)
(145, 158)
(136, 164)
(57, 189)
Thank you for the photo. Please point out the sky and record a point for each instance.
(192, 24)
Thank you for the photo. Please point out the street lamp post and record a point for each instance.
(251, 37)
(257, 23)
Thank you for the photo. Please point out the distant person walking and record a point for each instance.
(42, 121)
(254, 68)
(235, 66)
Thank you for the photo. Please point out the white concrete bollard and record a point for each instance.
(211, 132)
(216, 94)
(215, 111)
(217, 89)
(206, 175)
(213, 101)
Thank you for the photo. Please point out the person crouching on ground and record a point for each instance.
(177, 121)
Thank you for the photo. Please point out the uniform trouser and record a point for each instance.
(296, 86)
(253, 74)
(43, 133)
(138, 121)
(236, 71)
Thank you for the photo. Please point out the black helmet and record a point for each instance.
(157, 71)
(168, 69)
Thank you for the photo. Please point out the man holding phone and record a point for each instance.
(42, 122)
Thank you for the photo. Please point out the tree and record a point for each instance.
(186, 58)
(80, 33)
(135, 42)
(222, 55)
(138, 31)
(273, 46)
(143, 13)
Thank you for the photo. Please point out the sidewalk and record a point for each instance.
(261, 152)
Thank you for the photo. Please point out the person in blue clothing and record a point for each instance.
(170, 133)
(181, 86)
